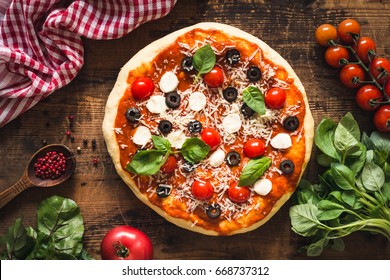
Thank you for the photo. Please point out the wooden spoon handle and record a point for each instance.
(8, 194)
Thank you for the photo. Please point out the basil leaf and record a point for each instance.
(338, 245)
(324, 138)
(147, 162)
(381, 141)
(194, 150)
(253, 97)
(386, 191)
(343, 176)
(373, 177)
(347, 135)
(315, 249)
(254, 169)
(161, 144)
(304, 219)
(204, 60)
(328, 210)
(357, 164)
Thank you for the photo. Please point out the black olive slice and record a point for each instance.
(233, 56)
(291, 123)
(287, 166)
(194, 126)
(165, 126)
(188, 167)
(233, 158)
(253, 74)
(133, 115)
(186, 64)
(246, 111)
(213, 211)
(172, 99)
(230, 94)
(163, 190)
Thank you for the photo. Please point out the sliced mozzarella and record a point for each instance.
(232, 123)
(168, 82)
(156, 104)
(197, 101)
(281, 141)
(217, 158)
(142, 135)
(262, 186)
(177, 138)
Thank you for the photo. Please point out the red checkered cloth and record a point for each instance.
(41, 48)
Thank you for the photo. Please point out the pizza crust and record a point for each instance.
(146, 55)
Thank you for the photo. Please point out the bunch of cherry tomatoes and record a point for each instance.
(361, 68)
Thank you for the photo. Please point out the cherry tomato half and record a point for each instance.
(351, 75)
(382, 118)
(202, 189)
(324, 33)
(215, 77)
(379, 67)
(170, 165)
(347, 30)
(334, 56)
(238, 194)
(126, 243)
(142, 87)
(211, 137)
(275, 98)
(365, 46)
(368, 93)
(254, 148)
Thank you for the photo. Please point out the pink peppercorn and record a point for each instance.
(50, 166)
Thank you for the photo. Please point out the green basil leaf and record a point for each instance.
(254, 169)
(349, 197)
(147, 162)
(373, 177)
(204, 60)
(253, 97)
(338, 245)
(386, 191)
(381, 141)
(315, 249)
(368, 142)
(328, 210)
(343, 176)
(324, 138)
(325, 160)
(304, 219)
(161, 143)
(347, 135)
(356, 164)
(194, 150)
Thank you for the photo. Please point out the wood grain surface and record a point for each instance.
(105, 201)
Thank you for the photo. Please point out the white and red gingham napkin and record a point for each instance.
(41, 48)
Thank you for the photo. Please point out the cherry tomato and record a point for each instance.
(386, 87)
(170, 165)
(275, 98)
(211, 137)
(382, 118)
(379, 67)
(351, 75)
(324, 33)
(366, 94)
(202, 189)
(238, 194)
(254, 148)
(215, 77)
(334, 56)
(142, 87)
(346, 28)
(364, 47)
(126, 243)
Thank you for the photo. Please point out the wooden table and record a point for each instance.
(105, 201)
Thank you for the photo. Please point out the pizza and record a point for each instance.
(209, 127)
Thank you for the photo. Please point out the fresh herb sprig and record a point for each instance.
(204, 60)
(353, 194)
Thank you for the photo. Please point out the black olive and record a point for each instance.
(172, 99)
(163, 190)
(246, 111)
(291, 123)
(194, 126)
(253, 74)
(230, 94)
(188, 167)
(233, 56)
(287, 166)
(165, 126)
(213, 211)
(233, 158)
(186, 64)
(133, 115)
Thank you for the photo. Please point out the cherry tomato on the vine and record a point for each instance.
(347, 29)
(382, 118)
(275, 98)
(170, 165)
(142, 87)
(379, 67)
(324, 33)
(351, 75)
(238, 194)
(202, 189)
(364, 48)
(254, 148)
(215, 77)
(386, 87)
(211, 137)
(365, 95)
(335, 55)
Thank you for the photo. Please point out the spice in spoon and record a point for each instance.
(50, 166)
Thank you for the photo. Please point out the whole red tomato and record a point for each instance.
(351, 75)
(379, 67)
(211, 137)
(335, 55)
(325, 33)
(142, 87)
(275, 98)
(126, 243)
(238, 194)
(254, 148)
(348, 29)
(202, 189)
(364, 47)
(365, 95)
(215, 77)
(382, 118)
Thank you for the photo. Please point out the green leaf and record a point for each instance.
(338, 245)
(381, 141)
(204, 60)
(315, 249)
(347, 135)
(328, 210)
(325, 160)
(357, 164)
(161, 144)
(380, 157)
(253, 97)
(194, 150)
(373, 177)
(304, 219)
(366, 141)
(386, 191)
(343, 176)
(349, 197)
(147, 162)
(254, 169)
(324, 138)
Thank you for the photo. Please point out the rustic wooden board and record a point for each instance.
(105, 201)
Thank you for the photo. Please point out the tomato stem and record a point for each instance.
(121, 250)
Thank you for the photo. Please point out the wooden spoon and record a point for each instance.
(29, 179)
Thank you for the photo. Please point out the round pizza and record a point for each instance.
(210, 127)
